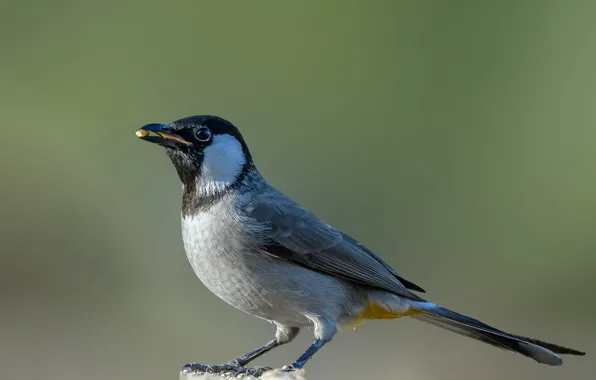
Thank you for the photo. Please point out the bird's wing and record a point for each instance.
(292, 233)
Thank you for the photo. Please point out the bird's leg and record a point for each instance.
(309, 353)
(243, 360)
(236, 366)
(283, 335)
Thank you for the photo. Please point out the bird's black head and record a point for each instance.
(208, 152)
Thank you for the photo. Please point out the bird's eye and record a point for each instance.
(203, 134)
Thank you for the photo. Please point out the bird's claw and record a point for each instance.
(254, 372)
(209, 368)
(193, 367)
(235, 363)
(288, 368)
(230, 369)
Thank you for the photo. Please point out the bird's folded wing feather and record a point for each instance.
(293, 233)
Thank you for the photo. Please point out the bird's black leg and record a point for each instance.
(243, 360)
(309, 353)
(237, 366)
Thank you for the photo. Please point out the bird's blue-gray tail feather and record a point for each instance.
(542, 352)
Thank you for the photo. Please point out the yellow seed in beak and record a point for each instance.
(142, 133)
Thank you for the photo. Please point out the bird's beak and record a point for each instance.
(161, 134)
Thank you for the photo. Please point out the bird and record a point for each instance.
(264, 254)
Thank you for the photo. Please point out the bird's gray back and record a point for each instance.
(293, 233)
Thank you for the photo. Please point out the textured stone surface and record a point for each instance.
(275, 374)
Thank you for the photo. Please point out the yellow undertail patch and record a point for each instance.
(375, 311)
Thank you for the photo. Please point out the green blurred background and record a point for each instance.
(454, 138)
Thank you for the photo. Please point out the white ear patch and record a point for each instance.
(223, 161)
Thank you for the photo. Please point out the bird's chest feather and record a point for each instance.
(213, 245)
(222, 254)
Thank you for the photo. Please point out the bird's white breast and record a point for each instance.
(223, 253)
(212, 239)
(219, 250)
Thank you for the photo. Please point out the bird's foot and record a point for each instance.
(209, 368)
(254, 372)
(232, 368)
(288, 368)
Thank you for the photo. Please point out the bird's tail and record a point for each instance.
(542, 352)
